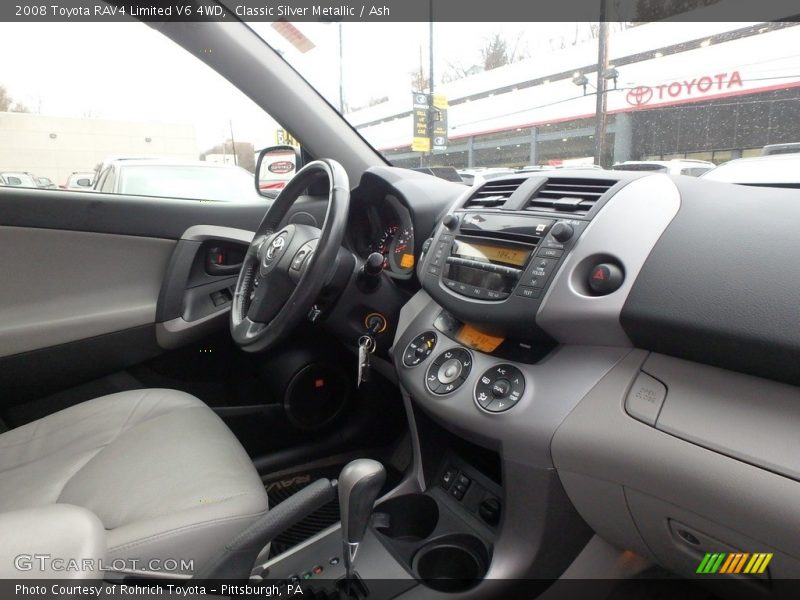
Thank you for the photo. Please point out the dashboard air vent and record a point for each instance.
(569, 195)
(493, 193)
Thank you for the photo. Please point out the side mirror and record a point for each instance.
(276, 165)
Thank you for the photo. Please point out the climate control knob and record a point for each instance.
(499, 388)
(419, 349)
(448, 371)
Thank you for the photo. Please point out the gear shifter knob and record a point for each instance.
(360, 482)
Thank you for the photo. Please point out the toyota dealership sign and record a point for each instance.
(694, 88)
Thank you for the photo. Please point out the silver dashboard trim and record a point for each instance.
(626, 228)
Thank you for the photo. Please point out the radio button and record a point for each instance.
(492, 295)
(551, 252)
(536, 281)
(542, 267)
(450, 283)
(434, 270)
(528, 292)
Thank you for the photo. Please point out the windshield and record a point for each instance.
(510, 95)
(191, 182)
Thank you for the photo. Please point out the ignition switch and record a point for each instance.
(375, 323)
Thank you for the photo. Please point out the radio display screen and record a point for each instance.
(510, 255)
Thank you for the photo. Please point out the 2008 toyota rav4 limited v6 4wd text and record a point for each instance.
(361, 376)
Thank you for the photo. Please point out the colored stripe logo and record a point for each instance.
(735, 562)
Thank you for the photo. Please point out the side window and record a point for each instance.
(195, 142)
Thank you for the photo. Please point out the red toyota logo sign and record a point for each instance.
(684, 88)
(281, 167)
(639, 96)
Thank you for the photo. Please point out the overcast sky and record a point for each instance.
(129, 71)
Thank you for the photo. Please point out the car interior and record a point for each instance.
(383, 384)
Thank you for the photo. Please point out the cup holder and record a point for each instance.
(453, 563)
(409, 518)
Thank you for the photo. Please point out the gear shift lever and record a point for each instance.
(359, 484)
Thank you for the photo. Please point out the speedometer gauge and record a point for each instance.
(384, 244)
(402, 250)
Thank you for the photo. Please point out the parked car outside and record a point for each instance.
(80, 181)
(773, 170)
(772, 149)
(194, 180)
(45, 183)
(18, 179)
(693, 168)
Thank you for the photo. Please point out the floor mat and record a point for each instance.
(280, 489)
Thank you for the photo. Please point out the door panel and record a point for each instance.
(84, 276)
(63, 286)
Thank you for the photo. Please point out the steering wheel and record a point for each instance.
(285, 269)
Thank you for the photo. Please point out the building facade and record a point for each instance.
(710, 91)
(55, 147)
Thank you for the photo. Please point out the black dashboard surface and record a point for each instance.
(722, 285)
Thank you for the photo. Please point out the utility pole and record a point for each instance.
(233, 144)
(341, 72)
(431, 109)
(600, 106)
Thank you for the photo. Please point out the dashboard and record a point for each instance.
(628, 331)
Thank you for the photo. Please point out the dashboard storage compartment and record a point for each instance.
(452, 563)
(408, 518)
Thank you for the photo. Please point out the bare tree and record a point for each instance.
(495, 53)
(8, 104)
(419, 80)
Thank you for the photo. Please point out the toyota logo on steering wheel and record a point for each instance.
(275, 247)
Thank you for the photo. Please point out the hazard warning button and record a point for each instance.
(605, 278)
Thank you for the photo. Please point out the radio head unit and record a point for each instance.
(493, 266)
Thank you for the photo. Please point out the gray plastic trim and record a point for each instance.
(201, 233)
(627, 229)
(745, 417)
(179, 332)
(553, 387)
(62, 286)
(599, 440)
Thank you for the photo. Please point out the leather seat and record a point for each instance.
(162, 472)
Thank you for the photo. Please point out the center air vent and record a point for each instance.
(494, 193)
(569, 195)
